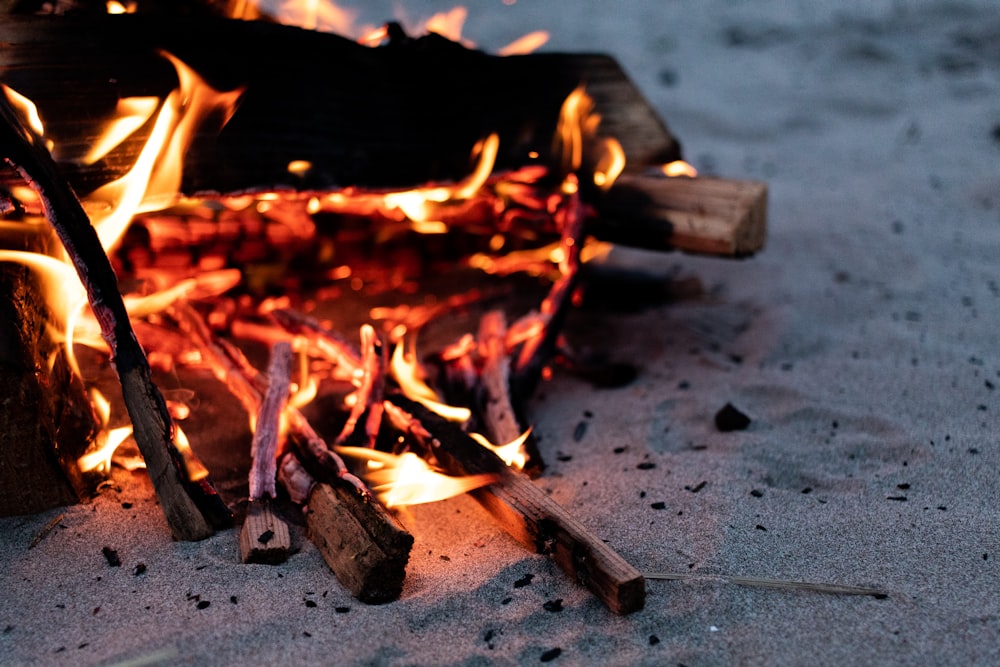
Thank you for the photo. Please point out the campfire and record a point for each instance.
(288, 211)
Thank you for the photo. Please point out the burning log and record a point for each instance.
(399, 115)
(24, 150)
(389, 120)
(265, 537)
(522, 509)
(46, 420)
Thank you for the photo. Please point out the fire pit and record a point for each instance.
(422, 157)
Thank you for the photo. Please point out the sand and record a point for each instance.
(864, 344)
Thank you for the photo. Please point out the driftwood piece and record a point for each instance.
(525, 511)
(362, 544)
(267, 432)
(709, 216)
(398, 115)
(265, 537)
(152, 426)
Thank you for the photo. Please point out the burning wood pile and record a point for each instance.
(345, 176)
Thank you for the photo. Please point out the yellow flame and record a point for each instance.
(299, 167)
(525, 44)
(420, 204)
(406, 371)
(196, 470)
(116, 7)
(610, 165)
(317, 15)
(512, 453)
(130, 114)
(26, 107)
(679, 168)
(406, 479)
(63, 293)
(448, 24)
(108, 441)
(154, 181)
(569, 130)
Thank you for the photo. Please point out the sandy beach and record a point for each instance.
(863, 343)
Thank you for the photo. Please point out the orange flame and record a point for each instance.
(406, 371)
(525, 44)
(406, 479)
(679, 168)
(154, 181)
(513, 453)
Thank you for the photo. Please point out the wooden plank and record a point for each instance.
(711, 216)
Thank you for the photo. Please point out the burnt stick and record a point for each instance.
(501, 418)
(181, 499)
(265, 537)
(524, 510)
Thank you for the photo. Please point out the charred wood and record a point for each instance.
(524, 511)
(398, 115)
(152, 425)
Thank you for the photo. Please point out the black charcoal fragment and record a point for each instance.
(111, 556)
(729, 418)
(551, 654)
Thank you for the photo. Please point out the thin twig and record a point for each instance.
(46, 529)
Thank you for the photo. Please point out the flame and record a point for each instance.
(130, 114)
(28, 110)
(116, 7)
(447, 24)
(317, 15)
(576, 108)
(63, 293)
(107, 442)
(406, 479)
(513, 453)
(610, 164)
(525, 44)
(154, 180)
(679, 168)
(196, 470)
(406, 371)
(420, 204)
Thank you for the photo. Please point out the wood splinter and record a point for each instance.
(265, 537)
(523, 509)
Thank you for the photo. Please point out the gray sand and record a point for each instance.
(864, 343)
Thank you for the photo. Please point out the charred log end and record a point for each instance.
(364, 546)
(46, 420)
